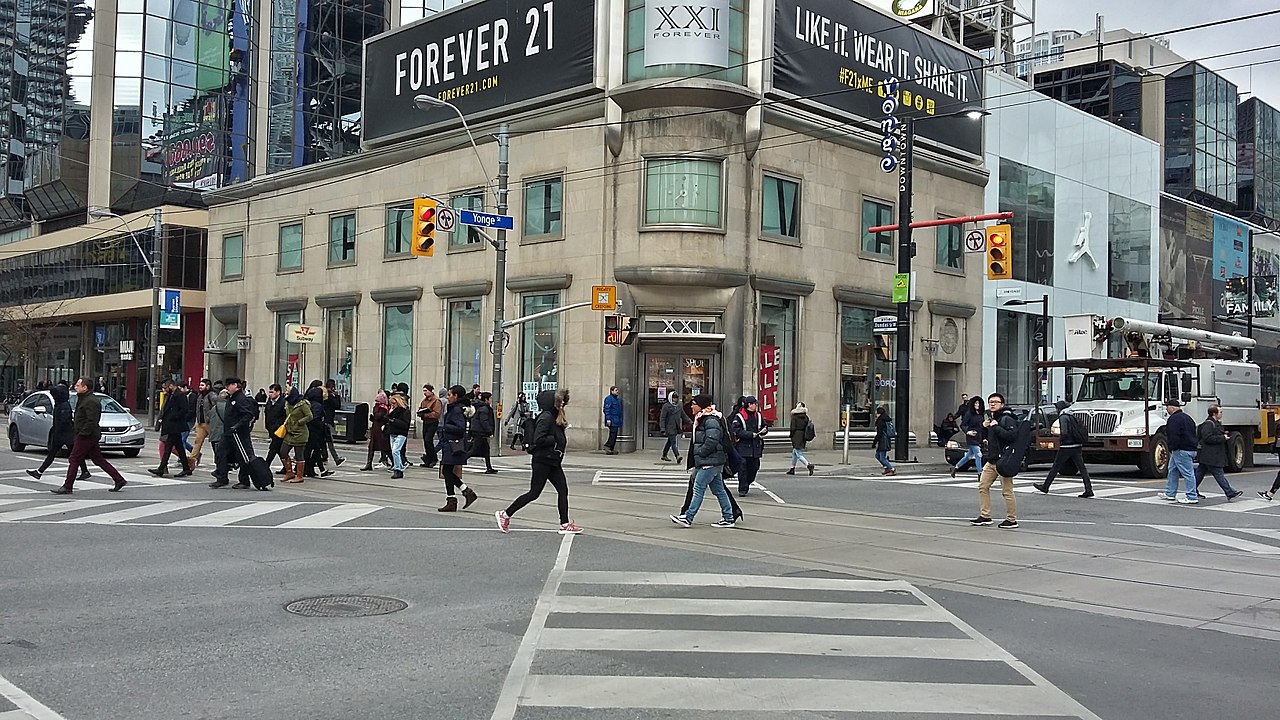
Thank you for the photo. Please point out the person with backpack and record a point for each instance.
(546, 443)
(709, 455)
(397, 429)
(1212, 456)
(671, 422)
(885, 433)
(1072, 435)
(1002, 432)
(483, 426)
(802, 433)
(748, 428)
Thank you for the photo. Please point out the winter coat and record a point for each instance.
(483, 422)
(173, 414)
(1066, 430)
(453, 426)
(241, 411)
(273, 413)
(332, 404)
(613, 410)
(87, 421)
(1002, 434)
(1213, 444)
(61, 433)
(397, 421)
(190, 398)
(429, 409)
(744, 426)
(799, 425)
(549, 441)
(316, 396)
(297, 419)
(377, 422)
(708, 438)
(1181, 432)
(204, 406)
(217, 417)
(881, 442)
(671, 420)
(971, 424)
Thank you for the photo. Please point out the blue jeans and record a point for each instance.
(972, 452)
(673, 445)
(1180, 465)
(709, 476)
(798, 458)
(397, 452)
(882, 456)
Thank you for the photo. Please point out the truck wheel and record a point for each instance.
(1235, 452)
(1154, 463)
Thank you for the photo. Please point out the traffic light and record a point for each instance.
(424, 227)
(999, 252)
(613, 330)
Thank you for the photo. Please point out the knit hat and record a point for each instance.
(703, 400)
(380, 399)
(1062, 405)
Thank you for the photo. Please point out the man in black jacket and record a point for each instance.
(1180, 432)
(173, 425)
(1002, 431)
(241, 411)
(87, 425)
(1212, 457)
(273, 415)
(1070, 451)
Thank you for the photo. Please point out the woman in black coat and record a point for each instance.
(60, 435)
(482, 429)
(453, 448)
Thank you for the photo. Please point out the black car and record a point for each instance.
(1043, 420)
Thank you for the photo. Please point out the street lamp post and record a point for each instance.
(906, 250)
(497, 343)
(153, 267)
(1043, 346)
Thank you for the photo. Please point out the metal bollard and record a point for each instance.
(845, 423)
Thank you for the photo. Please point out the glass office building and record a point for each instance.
(1200, 137)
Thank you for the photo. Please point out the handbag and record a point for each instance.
(463, 445)
(280, 432)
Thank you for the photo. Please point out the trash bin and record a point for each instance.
(351, 424)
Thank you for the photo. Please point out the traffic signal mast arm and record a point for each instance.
(944, 221)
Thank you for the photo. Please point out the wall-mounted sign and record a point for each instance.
(837, 55)
(243, 342)
(302, 334)
(906, 9)
(479, 56)
(686, 34)
(170, 309)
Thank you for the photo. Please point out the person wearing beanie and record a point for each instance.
(708, 455)
(802, 431)
(1071, 437)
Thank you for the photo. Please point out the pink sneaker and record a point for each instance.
(504, 520)
(569, 529)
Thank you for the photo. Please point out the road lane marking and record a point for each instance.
(332, 517)
(1219, 539)
(36, 709)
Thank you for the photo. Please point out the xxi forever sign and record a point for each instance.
(479, 56)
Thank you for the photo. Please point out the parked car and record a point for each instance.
(31, 421)
(1044, 418)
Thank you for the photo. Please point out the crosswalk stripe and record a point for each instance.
(1219, 539)
(135, 513)
(1262, 532)
(17, 490)
(331, 517)
(744, 608)
(234, 514)
(1241, 506)
(55, 508)
(791, 695)
(780, 643)
(612, 577)
(12, 501)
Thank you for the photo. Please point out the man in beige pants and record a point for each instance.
(1002, 431)
(204, 400)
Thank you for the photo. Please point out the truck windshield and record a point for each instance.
(1118, 386)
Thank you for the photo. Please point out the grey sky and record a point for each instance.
(1152, 16)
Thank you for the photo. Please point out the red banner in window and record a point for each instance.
(770, 374)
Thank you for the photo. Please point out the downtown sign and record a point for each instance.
(839, 56)
(487, 57)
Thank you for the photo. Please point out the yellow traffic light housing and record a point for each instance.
(1000, 252)
(424, 227)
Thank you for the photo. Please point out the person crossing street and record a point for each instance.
(173, 425)
(1070, 451)
(86, 424)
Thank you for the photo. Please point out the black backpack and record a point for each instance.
(526, 431)
(1079, 433)
(1010, 463)
(810, 432)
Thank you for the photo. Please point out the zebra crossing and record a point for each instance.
(1243, 539)
(185, 513)
(779, 646)
(1137, 491)
(18, 482)
(662, 478)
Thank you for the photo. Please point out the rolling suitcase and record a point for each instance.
(260, 474)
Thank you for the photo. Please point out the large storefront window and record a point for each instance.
(340, 339)
(683, 192)
(397, 345)
(465, 340)
(775, 387)
(540, 346)
(288, 355)
(866, 376)
(1129, 272)
(1015, 376)
(1029, 194)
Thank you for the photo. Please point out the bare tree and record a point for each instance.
(25, 330)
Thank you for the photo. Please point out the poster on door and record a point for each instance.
(770, 375)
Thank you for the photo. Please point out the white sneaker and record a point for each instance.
(1170, 498)
(1188, 501)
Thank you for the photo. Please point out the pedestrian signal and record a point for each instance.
(613, 330)
(999, 252)
(424, 227)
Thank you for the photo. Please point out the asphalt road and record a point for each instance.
(168, 600)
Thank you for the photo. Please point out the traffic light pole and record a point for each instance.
(498, 344)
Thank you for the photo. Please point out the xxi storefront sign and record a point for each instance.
(838, 55)
(693, 34)
(480, 56)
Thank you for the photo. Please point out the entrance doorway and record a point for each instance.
(686, 374)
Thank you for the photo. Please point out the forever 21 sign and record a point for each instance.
(479, 56)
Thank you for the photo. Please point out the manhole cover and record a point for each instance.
(345, 606)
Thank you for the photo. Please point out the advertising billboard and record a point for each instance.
(839, 55)
(191, 153)
(480, 56)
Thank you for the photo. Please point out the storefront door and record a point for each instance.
(684, 374)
